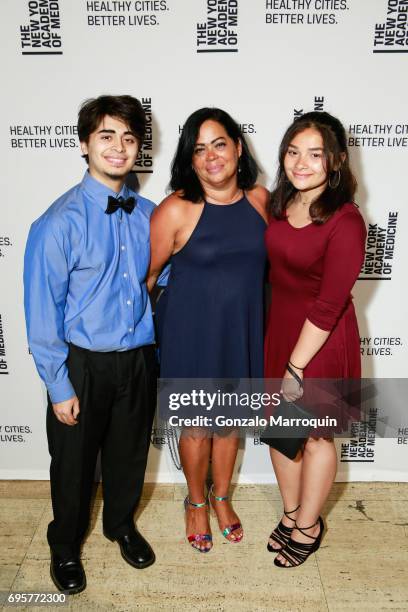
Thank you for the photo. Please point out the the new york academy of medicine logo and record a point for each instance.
(41, 34)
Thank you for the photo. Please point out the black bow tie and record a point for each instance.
(115, 203)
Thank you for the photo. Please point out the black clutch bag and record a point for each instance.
(275, 434)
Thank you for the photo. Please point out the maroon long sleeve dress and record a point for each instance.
(312, 272)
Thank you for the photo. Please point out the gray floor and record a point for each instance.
(361, 565)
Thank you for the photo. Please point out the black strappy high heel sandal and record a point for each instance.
(281, 533)
(296, 553)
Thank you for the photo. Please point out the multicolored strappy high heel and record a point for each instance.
(229, 528)
(281, 533)
(296, 553)
(197, 538)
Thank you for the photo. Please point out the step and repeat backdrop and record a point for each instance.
(265, 62)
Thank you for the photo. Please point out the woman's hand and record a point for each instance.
(290, 388)
(309, 343)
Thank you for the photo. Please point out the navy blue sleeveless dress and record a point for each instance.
(210, 316)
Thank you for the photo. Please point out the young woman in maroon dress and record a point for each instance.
(315, 243)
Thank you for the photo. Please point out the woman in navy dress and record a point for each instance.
(210, 316)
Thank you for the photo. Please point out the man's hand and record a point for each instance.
(67, 411)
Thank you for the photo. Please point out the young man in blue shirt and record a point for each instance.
(90, 331)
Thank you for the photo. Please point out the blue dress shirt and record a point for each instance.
(84, 280)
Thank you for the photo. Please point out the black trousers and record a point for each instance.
(117, 398)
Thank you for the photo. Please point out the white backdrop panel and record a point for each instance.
(261, 60)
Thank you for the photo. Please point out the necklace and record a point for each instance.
(302, 203)
(237, 196)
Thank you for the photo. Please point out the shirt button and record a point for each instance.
(122, 248)
(125, 275)
(130, 329)
(128, 302)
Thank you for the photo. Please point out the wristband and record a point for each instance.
(294, 374)
(297, 367)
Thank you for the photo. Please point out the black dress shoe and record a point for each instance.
(67, 574)
(135, 549)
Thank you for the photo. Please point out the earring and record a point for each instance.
(239, 165)
(336, 183)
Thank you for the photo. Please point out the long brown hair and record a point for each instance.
(336, 159)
